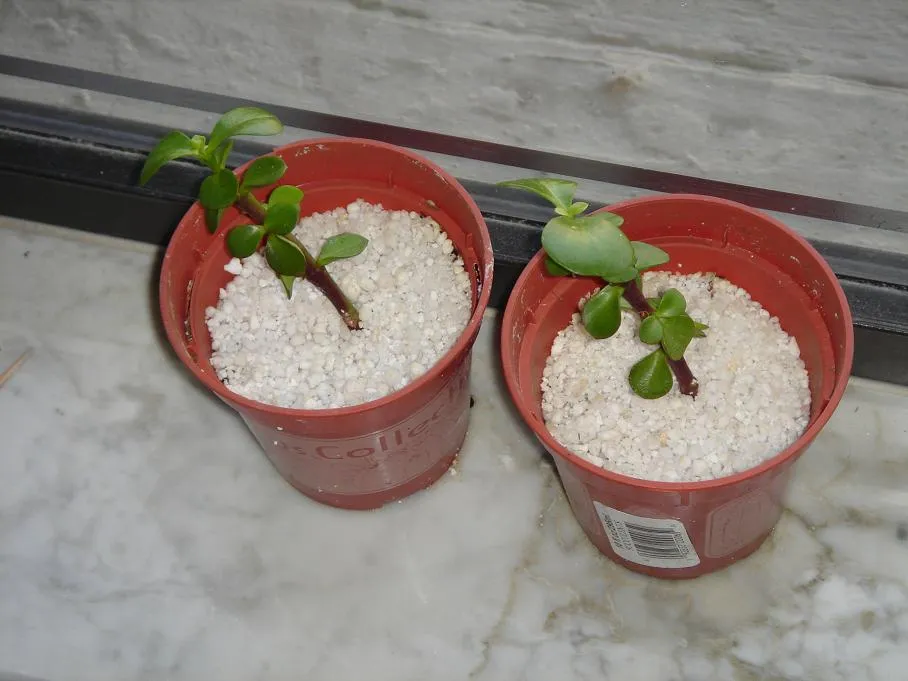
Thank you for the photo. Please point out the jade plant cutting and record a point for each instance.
(272, 222)
(593, 244)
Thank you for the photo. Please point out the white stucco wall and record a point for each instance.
(803, 95)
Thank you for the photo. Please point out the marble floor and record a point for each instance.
(144, 536)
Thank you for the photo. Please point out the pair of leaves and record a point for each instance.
(247, 120)
(670, 326)
(587, 245)
(593, 245)
(602, 313)
(560, 193)
(220, 189)
(282, 213)
(284, 254)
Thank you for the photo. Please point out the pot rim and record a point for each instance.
(813, 428)
(464, 340)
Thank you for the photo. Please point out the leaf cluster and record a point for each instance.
(221, 189)
(594, 245)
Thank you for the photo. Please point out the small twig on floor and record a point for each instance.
(14, 367)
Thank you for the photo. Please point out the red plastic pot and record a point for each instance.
(717, 522)
(365, 456)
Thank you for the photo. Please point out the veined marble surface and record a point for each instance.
(144, 536)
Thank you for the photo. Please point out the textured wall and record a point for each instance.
(802, 95)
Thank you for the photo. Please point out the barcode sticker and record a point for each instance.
(655, 542)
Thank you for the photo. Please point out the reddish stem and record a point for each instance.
(687, 382)
(317, 275)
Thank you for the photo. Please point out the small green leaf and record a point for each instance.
(648, 255)
(554, 268)
(281, 218)
(700, 330)
(287, 281)
(577, 208)
(263, 171)
(588, 245)
(560, 193)
(173, 145)
(340, 247)
(284, 256)
(218, 190)
(218, 158)
(198, 143)
(677, 333)
(651, 377)
(626, 305)
(602, 313)
(213, 218)
(246, 120)
(242, 241)
(651, 330)
(671, 304)
(286, 193)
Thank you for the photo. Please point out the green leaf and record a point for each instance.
(218, 158)
(651, 330)
(648, 255)
(340, 247)
(287, 281)
(286, 193)
(588, 245)
(242, 241)
(554, 268)
(621, 276)
(560, 193)
(213, 218)
(651, 377)
(284, 256)
(626, 305)
(700, 330)
(281, 218)
(246, 120)
(218, 190)
(677, 333)
(173, 145)
(264, 171)
(576, 209)
(671, 304)
(602, 313)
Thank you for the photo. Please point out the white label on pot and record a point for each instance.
(654, 542)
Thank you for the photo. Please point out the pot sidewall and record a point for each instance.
(367, 455)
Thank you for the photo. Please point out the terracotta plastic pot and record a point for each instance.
(709, 524)
(364, 456)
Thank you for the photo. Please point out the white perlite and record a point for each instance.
(412, 293)
(754, 399)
